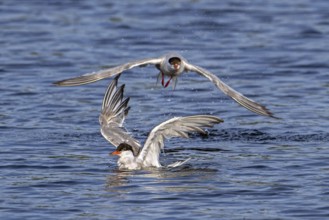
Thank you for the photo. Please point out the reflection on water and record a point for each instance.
(167, 178)
(54, 161)
(143, 191)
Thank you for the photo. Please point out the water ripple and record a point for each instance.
(55, 163)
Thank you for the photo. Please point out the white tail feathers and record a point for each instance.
(178, 163)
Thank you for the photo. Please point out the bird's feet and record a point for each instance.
(165, 85)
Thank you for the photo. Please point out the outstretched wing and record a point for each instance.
(175, 127)
(114, 111)
(106, 73)
(238, 97)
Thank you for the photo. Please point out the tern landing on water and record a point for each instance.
(171, 65)
(114, 110)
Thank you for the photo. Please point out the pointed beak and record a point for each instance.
(176, 66)
(115, 153)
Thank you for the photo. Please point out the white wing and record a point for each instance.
(114, 111)
(238, 97)
(106, 73)
(175, 127)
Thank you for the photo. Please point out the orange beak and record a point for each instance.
(116, 153)
(176, 66)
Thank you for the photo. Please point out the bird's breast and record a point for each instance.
(169, 71)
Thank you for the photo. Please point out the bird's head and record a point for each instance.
(175, 63)
(122, 148)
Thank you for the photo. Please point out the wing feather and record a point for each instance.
(106, 73)
(114, 111)
(175, 127)
(238, 97)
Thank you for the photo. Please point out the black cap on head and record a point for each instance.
(174, 60)
(124, 147)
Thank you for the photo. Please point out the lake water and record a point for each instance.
(55, 163)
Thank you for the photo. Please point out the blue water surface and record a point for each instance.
(55, 163)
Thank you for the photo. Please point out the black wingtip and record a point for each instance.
(57, 83)
(67, 83)
(127, 110)
(269, 113)
(275, 117)
(117, 77)
(122, 89)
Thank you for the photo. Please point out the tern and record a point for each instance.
(171, 65)
(132, 156)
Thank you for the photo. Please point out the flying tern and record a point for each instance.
(171, 65)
